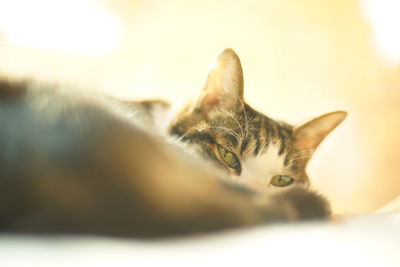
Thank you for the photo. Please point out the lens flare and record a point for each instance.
(70, 27)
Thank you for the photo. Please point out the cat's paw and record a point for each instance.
(303, 204)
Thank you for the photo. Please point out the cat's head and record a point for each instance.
(253, 149)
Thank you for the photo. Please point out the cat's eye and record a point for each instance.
(229, 159)
(281, 180)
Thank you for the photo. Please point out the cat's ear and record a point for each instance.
(224, 86)
(309, 135)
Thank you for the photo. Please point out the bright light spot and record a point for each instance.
(73, 27)
(213, 65)
(385, 20)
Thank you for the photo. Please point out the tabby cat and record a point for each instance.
(251, 148)
(77, 163)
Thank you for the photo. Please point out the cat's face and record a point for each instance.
(252, 149)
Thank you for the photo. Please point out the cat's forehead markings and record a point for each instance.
(258, 171)
(267, 163)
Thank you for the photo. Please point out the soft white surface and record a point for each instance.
(368, 240)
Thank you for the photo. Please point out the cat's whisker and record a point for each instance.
(299, 158)
(302, 152)
(238, 123)
(229, 131)
(245, 117)
(300, 155)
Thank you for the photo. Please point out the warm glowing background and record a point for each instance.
(301, 58)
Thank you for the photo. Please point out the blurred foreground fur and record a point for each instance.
(71, 165)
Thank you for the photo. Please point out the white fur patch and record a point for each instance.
(258, 171)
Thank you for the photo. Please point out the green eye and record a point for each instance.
(229, 158)
(281, 180)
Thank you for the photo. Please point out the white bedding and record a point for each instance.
(367, 240)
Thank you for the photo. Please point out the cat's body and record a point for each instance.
(71, 164)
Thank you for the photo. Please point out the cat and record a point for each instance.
(78, 164)
(252, 149)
